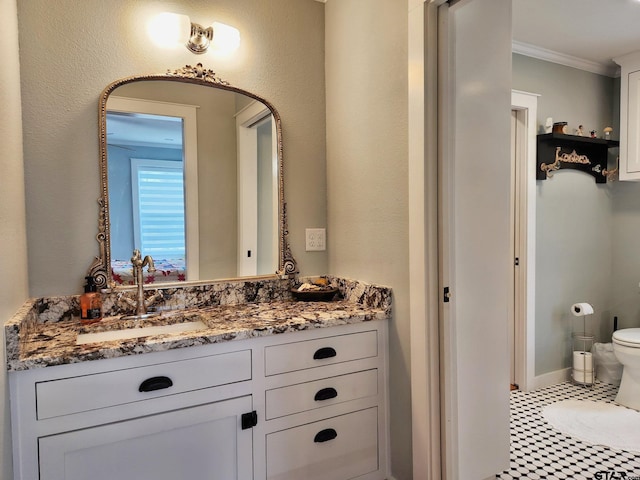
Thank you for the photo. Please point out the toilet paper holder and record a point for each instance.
(583, 372)
(581, 309)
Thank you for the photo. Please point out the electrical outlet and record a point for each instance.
(316, 239)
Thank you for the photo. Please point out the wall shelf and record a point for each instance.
(558, 151)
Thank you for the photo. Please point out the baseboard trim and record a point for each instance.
(551, 378)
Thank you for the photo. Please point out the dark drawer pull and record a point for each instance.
(155, 383)
(326, 352)
(325, 394)
(325, 435)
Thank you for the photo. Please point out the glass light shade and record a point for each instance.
(169, 30)
(226, 39)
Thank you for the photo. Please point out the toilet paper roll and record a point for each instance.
(580, 376)
(581, 309)
(583, 361)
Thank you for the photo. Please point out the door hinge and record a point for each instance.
(516, 262)
(446, 296)
(249, 420)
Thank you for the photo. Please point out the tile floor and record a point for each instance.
(540, 452)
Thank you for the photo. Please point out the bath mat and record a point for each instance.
(598, 423)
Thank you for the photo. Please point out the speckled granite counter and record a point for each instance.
(44, 331)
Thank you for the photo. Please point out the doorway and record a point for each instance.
(516, 197)
(433, 360)
(257, 145)
(523, 234)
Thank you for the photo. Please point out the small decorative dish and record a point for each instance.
(319, 294)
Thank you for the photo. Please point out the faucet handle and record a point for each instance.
(136, 258)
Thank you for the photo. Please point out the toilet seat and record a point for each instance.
(629, 337)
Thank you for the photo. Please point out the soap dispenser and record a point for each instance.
(90, 302)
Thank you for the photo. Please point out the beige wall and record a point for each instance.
(71, 52)
(362, 185)
(13, 254)
(367, 164)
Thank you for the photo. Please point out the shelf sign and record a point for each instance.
(559, 151)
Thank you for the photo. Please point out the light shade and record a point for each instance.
(226, 39)
(170, 30)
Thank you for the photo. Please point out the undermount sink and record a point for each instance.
(141, 316)
(136, 332)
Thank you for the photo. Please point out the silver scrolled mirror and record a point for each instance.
(191, 173)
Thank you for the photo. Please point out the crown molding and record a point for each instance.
(540, 53)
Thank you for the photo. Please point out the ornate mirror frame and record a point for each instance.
(100, 269)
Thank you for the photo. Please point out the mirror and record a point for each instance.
(191, 174)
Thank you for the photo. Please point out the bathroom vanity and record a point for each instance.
(269, 390)
(231, 379)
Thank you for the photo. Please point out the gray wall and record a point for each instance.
(13, 254)
(625, 292)
(625, 231)
(567, 94)
(92, 43)
(574, 242)
(367, 165)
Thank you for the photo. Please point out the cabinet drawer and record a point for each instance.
(324, 351)
(338, 448)
(100, 390)
(329, 391)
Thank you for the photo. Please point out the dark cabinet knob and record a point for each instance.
(325, 435)
(155, 383)
(325, 352)
(325, 394)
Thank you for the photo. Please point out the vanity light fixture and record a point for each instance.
(168, 30)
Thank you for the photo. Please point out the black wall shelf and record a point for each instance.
(558, 151)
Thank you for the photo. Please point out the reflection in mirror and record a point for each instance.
(191, 175)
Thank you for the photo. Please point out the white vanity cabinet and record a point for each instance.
(160, 416)
(325, 407)
(629, 116)
(304, 405)
(200, 442)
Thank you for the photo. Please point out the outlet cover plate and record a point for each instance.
(316, 239)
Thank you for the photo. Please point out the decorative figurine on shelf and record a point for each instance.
(548, 126)
(580, 131)
(593, 134)
(560, 127)
(607, 133)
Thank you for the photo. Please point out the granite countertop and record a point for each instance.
(35, 340)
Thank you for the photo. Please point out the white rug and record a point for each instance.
(596, 422)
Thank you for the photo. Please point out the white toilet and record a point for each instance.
(626, 346)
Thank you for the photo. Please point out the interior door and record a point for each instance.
(475, 183)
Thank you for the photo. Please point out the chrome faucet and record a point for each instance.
(138, 264)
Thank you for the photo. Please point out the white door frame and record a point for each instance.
(526, 104)
(423, 238)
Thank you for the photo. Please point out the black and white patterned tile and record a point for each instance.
(538, 451)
